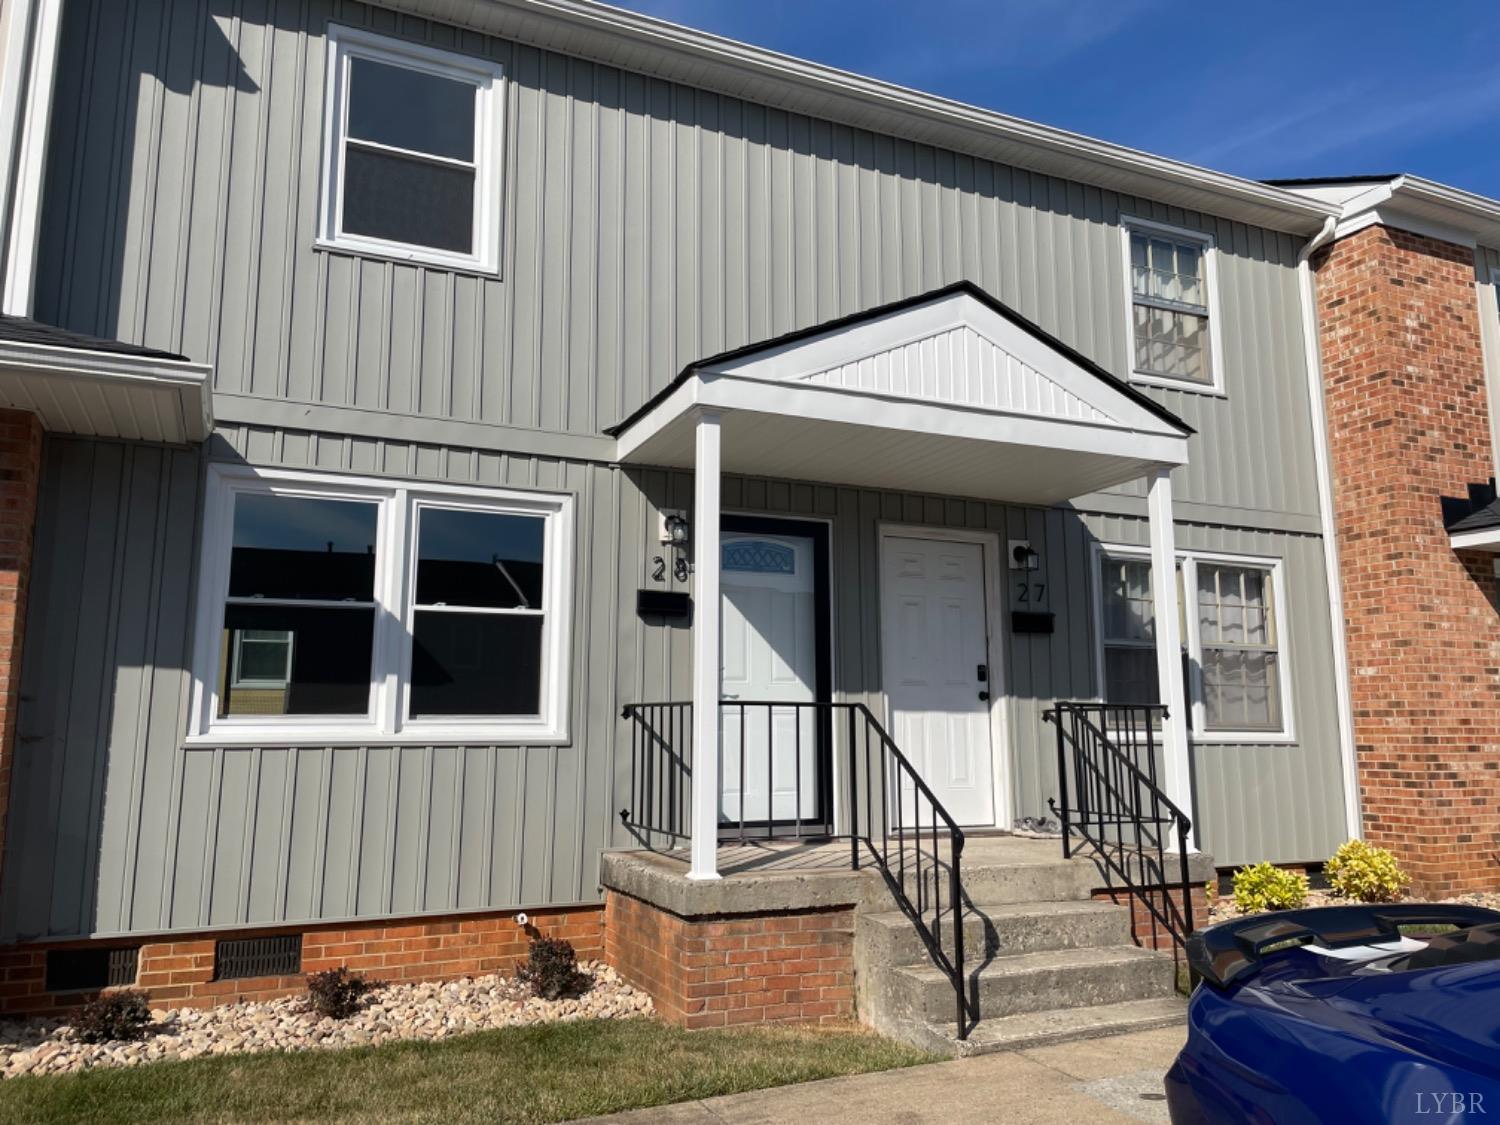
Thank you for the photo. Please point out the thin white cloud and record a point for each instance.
(1352, 117)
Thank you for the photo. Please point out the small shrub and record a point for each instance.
(552, 970)
(1366, 873)
(1268, 887)
(123, 1014)
(337, 992)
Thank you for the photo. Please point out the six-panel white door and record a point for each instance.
(769, 644)
(933, 619)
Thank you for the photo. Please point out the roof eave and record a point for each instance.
(1419, 205)
(670, 51)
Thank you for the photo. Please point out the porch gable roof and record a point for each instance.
(946, 391)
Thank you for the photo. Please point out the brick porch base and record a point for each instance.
(788, 966)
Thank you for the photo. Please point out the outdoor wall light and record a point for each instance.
(676, 532)
(1022, 556)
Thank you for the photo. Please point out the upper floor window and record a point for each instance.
(1173, 285)
(335, 609)
(412, 152)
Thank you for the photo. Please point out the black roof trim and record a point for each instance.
(19, 330)
(1334, 181)
(967, 287)
(1481, 520)
(1477, 510)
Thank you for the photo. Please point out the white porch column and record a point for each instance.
(706, 671)
(1169, 641)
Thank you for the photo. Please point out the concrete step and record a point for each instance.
(1060, 1025)
(1035, 982)
(890, 938)
(996, 884)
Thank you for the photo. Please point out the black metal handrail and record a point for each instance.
(1117, 806)
(893, 816)
(661, 771)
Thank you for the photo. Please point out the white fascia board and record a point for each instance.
(1420, 206)
(653, 46)
(842, 406)
(862, 408)
(658, 418)
(192, 381)
(1485, 539)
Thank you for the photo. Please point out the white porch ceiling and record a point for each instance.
(948, 393)
(107, 394)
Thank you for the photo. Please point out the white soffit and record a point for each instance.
(646, 45)
(107, 394)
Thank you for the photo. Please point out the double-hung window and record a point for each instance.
(1238, 647)
(1232, 611)
(412, 152)
(1128, 630)
(1172, 282)
(346, 609)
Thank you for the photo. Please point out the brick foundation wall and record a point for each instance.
(177, 970)
(783, 967)
(1408, 424)
(1144, 928)
(20, 468)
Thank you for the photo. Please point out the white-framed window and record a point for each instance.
(1233, 608)
(262, 659)
(1127, 630)
(1172, 327)
(412, 152)
(347, 609)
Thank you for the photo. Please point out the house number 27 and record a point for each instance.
(1031, 591)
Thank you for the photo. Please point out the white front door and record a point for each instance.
(936, 660)
(768, 765)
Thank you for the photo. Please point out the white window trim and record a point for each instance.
(1129, 223)
(1188, 561)
(385, 722)
(345, 43)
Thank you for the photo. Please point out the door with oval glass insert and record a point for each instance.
(770, 766)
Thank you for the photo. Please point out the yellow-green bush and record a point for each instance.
(1268, 887)
(1366, 873)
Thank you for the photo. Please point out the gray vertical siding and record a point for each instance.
(1253, 802)
(646, 225)
(117, 827)
(104, 665)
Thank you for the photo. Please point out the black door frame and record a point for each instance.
(818, 531)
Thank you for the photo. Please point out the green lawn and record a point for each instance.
(551, 1072)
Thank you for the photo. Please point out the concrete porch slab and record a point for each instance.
(767, 875)
(756, 878)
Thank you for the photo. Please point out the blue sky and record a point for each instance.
(1263, 89)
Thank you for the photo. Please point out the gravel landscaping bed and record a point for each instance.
(1224, 908)
(425, 1010)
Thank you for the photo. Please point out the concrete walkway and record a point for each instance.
(1100, 1081)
